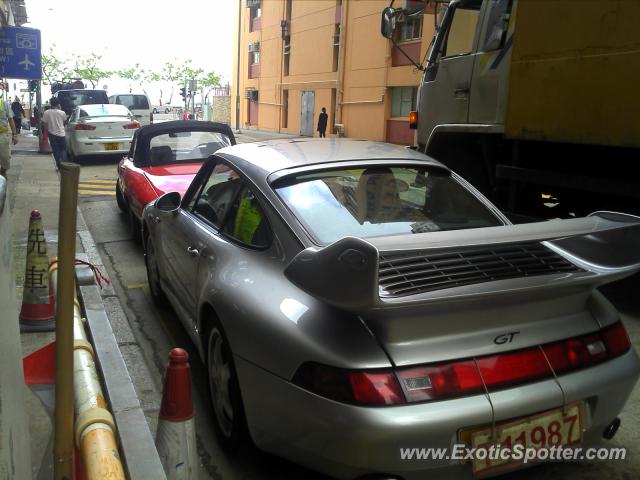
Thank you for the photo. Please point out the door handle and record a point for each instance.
(193, 251)
(461, 93)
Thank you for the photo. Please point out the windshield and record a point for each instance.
(105, 110)
(381, 200)
(83, 97)
(184, 146)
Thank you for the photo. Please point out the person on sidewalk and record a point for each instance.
(54, 119)
(322, 122)
(18, 114)
(6, 124)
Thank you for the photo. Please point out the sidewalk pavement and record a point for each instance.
(33, 183)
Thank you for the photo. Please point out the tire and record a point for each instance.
(135, 227)
(153, 273)
(70, 156)
(122, 202)
(229, 418)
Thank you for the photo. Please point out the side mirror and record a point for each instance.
(169, 202)
(388, 22)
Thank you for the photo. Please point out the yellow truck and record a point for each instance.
(534, 98)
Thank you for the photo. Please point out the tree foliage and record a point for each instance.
(57, 68)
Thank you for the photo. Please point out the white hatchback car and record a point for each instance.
(100, 130)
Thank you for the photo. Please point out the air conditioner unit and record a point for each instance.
(254, 47)
(248, 93)
(336, 39)
(253, 3)
(287, 48)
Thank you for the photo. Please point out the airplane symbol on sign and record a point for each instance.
(26, 62)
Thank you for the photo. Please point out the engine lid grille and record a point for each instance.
(419, 271)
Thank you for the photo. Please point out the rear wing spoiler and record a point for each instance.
(605, 245)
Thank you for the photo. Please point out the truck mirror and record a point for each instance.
(388, 22)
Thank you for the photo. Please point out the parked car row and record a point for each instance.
(101, 125)
(351, 299)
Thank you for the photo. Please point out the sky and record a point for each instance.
(149, 32)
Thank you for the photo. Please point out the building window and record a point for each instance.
(334, 107)
(254, 58)
(287, 55)
(403, 100)
(411, 29)
(285, 108)
(336, 47)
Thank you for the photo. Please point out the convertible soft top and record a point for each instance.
(140, 145)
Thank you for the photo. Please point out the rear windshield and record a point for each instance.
(185, 146)
(133, 102)
(70, 100)
(105, 110)
(381, 200)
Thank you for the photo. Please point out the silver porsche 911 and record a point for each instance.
(360, 307)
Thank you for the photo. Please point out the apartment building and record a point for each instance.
(298, 56)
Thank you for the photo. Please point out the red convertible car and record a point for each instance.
(164, 158)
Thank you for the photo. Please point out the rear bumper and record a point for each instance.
(97, 146)
(347, 441)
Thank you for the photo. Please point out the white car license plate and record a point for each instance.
(544, 430)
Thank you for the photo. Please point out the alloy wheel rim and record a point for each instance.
(219, 376)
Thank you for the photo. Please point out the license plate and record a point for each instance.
(111, 146)
(544, 430)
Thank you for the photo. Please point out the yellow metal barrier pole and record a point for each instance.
(63, 424)
(94, 426)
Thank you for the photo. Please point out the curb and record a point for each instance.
(140, 456)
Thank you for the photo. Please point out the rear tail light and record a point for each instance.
(371, 388)
(131, 125)
(463, 377)
(616, 339)
(84, 126)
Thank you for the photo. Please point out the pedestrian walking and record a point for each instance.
(54, 119)
(322, 122)
(18, 114)
(6, 124)
(186, 115)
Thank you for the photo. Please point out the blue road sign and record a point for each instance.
(20, 53)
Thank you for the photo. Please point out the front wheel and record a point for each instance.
(230, 422)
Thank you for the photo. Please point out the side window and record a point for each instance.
(247, 222)
(497, 25)
(461, 33)
(216, 195)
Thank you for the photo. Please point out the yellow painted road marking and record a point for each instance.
(96, 192)
(92, 180)
(99, 187)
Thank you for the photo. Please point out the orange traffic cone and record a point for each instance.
(37, 312)
(43, 140)
(176, 434)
